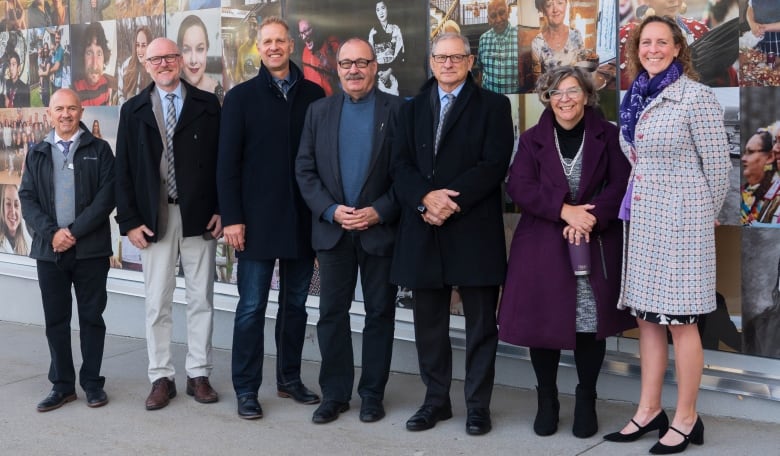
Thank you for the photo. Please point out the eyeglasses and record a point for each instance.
(156, 60)
(571, 92)
(346, 64)
(454, 58)
(495, 14)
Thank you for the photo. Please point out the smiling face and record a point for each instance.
(305, 31)
(193, 51)
(12, 209)
(555, 11)
(498, 15)
(570, 107)
(141, 43)
(93, 62)
(165, 75)
(13, 68)
(657, 49)
(65, 111)
(357, 82)
(275, 47)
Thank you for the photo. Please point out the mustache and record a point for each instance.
(354, 77)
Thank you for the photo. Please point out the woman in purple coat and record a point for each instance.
(568, 179)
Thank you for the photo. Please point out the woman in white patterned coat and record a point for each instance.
(672, 132)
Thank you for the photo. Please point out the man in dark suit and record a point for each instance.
(448, 181)
(166, 152)
(265, 216)
(343, 173)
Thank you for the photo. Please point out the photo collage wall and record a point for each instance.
(96, 47)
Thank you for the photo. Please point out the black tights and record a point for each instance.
(588, 356)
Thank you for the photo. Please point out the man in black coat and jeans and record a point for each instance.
(67, 195)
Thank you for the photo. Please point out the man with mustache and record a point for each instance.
(497, 54)
(95, 87)
(343, 173)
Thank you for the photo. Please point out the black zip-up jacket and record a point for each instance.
(93, 164)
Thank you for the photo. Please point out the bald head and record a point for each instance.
(163, 62)
(65, 111)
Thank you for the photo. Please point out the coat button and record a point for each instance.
(638, 177)
(640, 135)
(645, 116)
(637, 198)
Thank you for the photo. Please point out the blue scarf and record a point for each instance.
(642, 91)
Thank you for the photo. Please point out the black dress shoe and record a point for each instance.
(696, 436)
(249, 408)
(427, 417)
(660, 423)
(478, 421)
(371, 410)
(96, 398)
(329, 411)
(298, 392)
(55, 400)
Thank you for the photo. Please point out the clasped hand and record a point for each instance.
(439, 206)
(580, 222)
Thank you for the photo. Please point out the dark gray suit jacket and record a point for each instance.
(319, 177)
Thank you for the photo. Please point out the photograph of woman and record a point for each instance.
(193, 42)
(557, 43)
(13, 236)
(133, 77)
(673, 134)
(388, 44)
(568, 179)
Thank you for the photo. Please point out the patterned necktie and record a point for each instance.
(65, 147)
(170, 126)
(449, 98)
(284, 86)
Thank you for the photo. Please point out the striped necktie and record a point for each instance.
(170, 127)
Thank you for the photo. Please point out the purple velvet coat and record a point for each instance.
(538, 306)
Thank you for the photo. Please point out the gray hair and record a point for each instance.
(553, 78)
(356, 39)
(452, 36)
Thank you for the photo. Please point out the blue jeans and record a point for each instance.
(254, 283)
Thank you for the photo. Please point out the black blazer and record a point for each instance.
(474, 153)
(139, 149)
(319, 176)
(258, 143)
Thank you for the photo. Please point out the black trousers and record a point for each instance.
(432, 338)
(88, 278)
(338, 276)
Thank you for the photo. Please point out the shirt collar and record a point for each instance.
(455, 92)
(73, 138)
(163, 93)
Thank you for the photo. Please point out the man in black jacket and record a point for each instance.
(166, 152)
(265, 216)
(67, 195)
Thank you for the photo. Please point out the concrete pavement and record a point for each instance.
(124, 427)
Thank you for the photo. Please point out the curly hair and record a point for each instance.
(553, 78)
(634, 66)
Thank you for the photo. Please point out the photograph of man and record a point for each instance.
(17, 93)
(166, 151)
(67, 196)
(318, 57)
(451, 230)
(260, 132)
(343, 171)
(57, 61)
(95, 87)
(247, 56)
(497, 55)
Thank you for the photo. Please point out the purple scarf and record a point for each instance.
(642, 91)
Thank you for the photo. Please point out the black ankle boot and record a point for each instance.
(585, 420)
(546, 422)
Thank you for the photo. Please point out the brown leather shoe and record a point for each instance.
(201, 389)
(163, 390)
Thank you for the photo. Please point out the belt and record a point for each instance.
(173, 200)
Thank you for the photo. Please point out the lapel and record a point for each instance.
(547, 154)
(332, 121)
(192, 107)
(592, 151)
(461, 101)
(381, 119)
